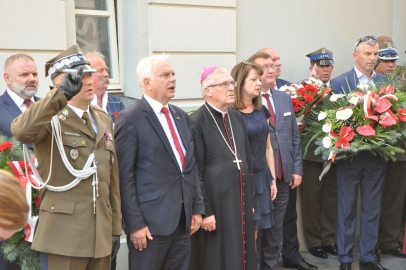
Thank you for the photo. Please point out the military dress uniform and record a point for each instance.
(319, 197)
(70, 225)
(394, 189)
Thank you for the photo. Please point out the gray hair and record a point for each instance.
(94, 53)
(370, 42)
(144, 67)
(9, 61)
(210, 79)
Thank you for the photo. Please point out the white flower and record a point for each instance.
(288, 89)
(315, 81)
(326, 142)
(326, 127)
(297, 86)
(344, 114)
(334, 97)
(322, 115)
(363, 86)
(354, 100)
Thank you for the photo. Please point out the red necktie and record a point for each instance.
(174, 136)
(273, 121)
(27, 102)
(270, 108)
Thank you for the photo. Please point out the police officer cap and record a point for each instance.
(68, 61)
(387, 50)
(321, 57)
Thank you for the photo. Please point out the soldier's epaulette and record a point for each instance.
(97, 108)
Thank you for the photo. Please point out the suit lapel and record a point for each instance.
(154, 121)
(180, 126)
(10, 105)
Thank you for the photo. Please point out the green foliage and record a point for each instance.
(22, 253)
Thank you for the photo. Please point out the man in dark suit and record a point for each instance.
(162, 204)
(290, 248)
(21, 76)
(365, 170)
(285, 139)
(109, 103)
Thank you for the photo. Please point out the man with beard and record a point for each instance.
(223, 156)
(21, 76)
(109, 103)
(363, 171)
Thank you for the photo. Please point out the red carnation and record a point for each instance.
(115, 114)
(310, 88)
(37, 201)
(301, 91)
(5, 146)
(308, 97)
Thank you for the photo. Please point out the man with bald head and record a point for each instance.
(277, 63)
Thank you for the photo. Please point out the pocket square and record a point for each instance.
(286, 114)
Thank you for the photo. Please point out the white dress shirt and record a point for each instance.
(364, 79)
(19, 101)
(104, 101)
(157, 107)
(265, 103)
(80, 113)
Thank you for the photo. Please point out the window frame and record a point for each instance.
(110, 13)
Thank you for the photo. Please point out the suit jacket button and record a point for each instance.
(52, 208)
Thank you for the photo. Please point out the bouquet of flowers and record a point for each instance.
(18, 246)
(305, 95)
(369, 119)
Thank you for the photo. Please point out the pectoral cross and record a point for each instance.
(238, 162)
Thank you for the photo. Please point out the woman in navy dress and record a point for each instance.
(249, 103)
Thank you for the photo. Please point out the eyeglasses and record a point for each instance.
(224, 84)
(366, 38)
(269, 67)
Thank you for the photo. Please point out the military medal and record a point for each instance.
(74, 154)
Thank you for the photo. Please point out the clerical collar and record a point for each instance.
(214, 108)
(80, 112)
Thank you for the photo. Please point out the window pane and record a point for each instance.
(91, 4)
(92, 33)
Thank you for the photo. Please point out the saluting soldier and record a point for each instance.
(319, 197)
(73, 142)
